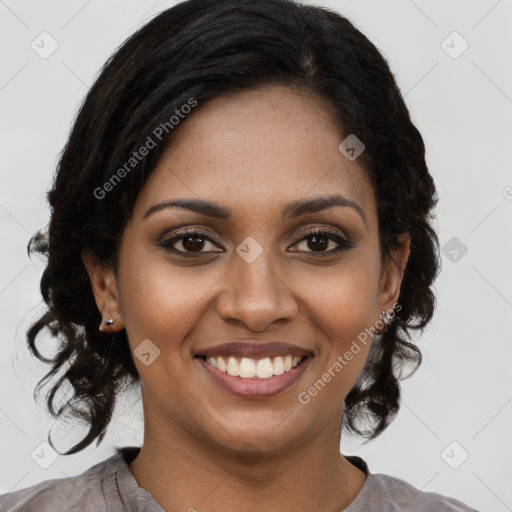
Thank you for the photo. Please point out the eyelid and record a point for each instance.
(309, 231)
(199, 231)
(190, 231)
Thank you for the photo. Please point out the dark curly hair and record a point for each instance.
(203, 49)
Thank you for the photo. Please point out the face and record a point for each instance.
(264, 263)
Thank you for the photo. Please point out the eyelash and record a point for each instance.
(343, 244)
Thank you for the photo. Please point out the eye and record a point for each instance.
(322, 239)
(192, 242)
(188, 242)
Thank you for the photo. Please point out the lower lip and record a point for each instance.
(253, 387)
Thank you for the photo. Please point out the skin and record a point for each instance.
(204, 448)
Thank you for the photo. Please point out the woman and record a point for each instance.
(241, 224)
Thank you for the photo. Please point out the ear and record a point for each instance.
(392, 273)
(104, 287)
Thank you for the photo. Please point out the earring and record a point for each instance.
(388, 320)
(109, 322)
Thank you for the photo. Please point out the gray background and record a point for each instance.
(462, 106)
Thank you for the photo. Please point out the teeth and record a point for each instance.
(233, 367)
(247, 368)
(278, 366)
(220, 363)
(264, 368)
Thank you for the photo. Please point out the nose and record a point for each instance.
(256, 294)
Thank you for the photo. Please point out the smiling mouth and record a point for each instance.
(249, 368)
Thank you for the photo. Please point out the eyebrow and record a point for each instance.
(292, 210)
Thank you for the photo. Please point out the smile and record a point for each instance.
(255, 378)
(246, 367)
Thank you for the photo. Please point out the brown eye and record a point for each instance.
(193, 243)
(318, 241)
(189, 242)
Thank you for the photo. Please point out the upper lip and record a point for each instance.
(253, 349)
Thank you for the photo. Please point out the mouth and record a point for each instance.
(255, 377)
(247, 368)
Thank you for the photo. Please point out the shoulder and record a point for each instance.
(83, 492)
(393, 494)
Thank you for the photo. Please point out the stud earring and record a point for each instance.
(108, 322)
(388, 320)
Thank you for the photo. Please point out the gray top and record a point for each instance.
(110, 486)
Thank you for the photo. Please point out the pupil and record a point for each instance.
(322, 245)
(194, 245)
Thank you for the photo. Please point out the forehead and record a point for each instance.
(257, 151)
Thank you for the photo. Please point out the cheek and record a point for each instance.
(346, 320)
(344, 298)
(343, 307)
(159, 300)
